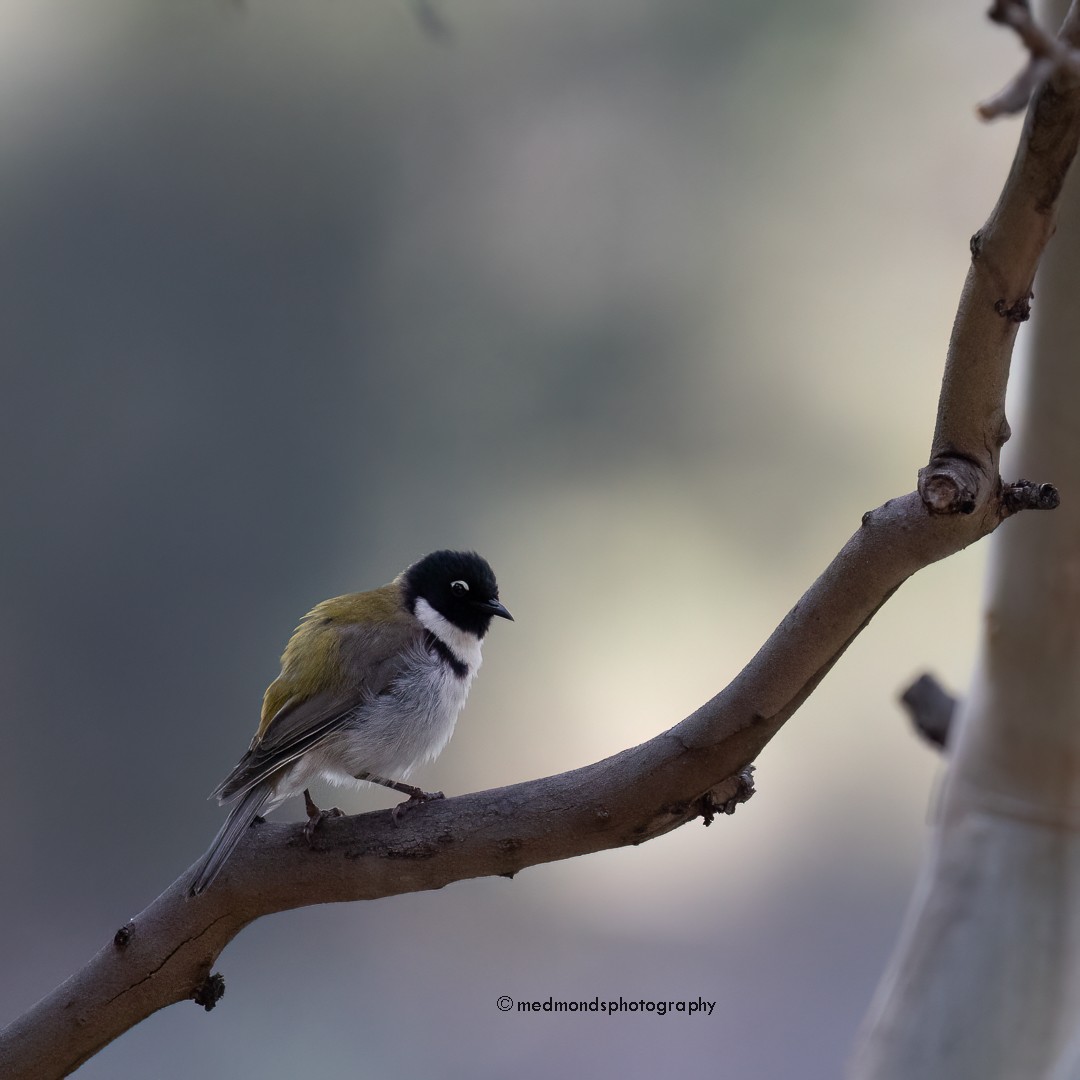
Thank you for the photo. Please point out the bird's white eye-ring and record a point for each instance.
(459, 588)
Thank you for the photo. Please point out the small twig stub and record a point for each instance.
(1025, 495)
(722, 800)
(210, 991)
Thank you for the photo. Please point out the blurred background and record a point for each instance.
(647, 301)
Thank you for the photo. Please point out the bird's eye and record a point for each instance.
(459, 588)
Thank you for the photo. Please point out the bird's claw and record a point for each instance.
(415, 799)
(316, 817)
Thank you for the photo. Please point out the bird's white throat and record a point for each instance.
(464, 645)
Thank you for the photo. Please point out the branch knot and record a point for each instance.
(1019, 311)
(949, 487)
(723, 800)
(210, 991)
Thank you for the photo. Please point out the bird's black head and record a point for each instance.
(460, 586)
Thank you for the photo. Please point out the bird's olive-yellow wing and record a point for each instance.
(346, 652)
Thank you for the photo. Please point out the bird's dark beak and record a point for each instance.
(495, 608)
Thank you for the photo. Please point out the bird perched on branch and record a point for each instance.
(371, 685)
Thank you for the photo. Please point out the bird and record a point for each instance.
(371, 686)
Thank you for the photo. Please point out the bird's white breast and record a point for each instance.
(412, 721)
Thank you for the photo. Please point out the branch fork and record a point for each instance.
(1047, 55)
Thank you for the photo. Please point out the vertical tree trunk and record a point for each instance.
(985, 981)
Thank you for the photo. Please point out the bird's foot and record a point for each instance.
(415, 799)
(315, 817)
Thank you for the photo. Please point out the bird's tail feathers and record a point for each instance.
(230, 834)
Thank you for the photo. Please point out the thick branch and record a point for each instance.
(166, 953)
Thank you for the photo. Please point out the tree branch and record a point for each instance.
(1046, 54)
(980, 983)
(1005, 252)
(166, 953)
